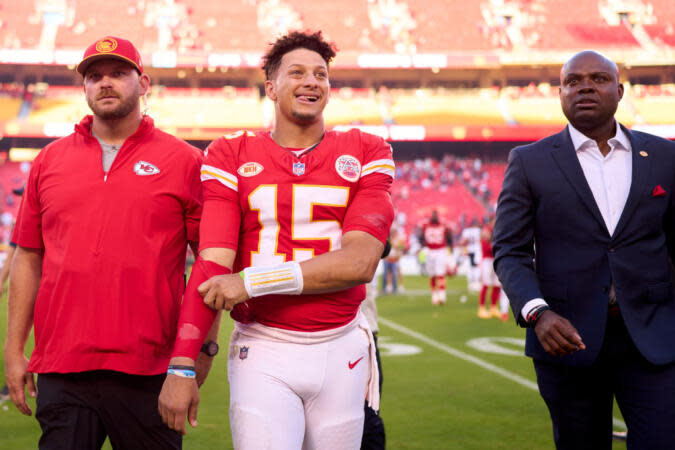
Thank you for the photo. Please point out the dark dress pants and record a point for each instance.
(77, 411)
(580, 399)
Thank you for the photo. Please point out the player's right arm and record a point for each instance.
(220, 219)
(23, 287)
(179, 398)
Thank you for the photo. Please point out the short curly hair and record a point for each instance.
(294, 40)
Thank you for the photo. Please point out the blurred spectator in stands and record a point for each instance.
(385, 102)
(393, 19)
(27, 103)
(276, 17)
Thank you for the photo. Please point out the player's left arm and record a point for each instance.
(353, 264)
(365, 231)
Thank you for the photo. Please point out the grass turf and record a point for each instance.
(431, 400)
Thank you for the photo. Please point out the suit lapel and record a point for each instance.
(638, 181)
(566, 157)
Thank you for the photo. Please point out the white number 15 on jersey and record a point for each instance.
(303, 225)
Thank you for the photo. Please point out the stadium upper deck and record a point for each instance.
(472, 70)
(430, 32)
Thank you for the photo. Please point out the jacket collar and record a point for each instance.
(579, 139)
(565, 156)
(84, 127)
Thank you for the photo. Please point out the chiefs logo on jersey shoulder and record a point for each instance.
(145, 168)
(250, 169)
(348, 167)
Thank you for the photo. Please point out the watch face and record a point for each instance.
(210, 348)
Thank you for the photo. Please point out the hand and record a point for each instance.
(557, 335)
(223, 291)
(179, 399)
(17, 377)
(202, 367)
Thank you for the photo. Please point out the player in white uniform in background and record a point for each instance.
(294, 224)
(437, 239)
(470, 239)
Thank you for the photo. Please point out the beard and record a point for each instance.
(304, 117)
(125, 107)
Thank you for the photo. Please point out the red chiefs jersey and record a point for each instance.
(435, 235)
(294, 208)
(486, 248)
(486, 242)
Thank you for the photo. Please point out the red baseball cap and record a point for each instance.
(111, 47)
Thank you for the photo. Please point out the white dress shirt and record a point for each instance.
(609, 178)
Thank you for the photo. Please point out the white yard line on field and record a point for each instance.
(469, 358)
(421, 292)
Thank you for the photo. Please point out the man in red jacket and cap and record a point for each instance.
(102, 233)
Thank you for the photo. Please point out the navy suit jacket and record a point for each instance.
(551, 242)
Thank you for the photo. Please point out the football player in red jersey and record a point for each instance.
(437, 238)
(488, 278)
(294, 223)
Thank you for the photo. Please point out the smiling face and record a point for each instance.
(589, 91)
(113, 88)
(300, 87)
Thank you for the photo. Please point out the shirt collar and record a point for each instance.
(579, 139)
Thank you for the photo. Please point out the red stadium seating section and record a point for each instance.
(424, 186)
(247, 25)
(495, 178)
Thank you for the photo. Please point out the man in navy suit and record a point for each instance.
(583, 243)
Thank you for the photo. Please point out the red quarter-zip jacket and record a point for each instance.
(114, 249)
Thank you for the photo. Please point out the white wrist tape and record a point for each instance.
(285, 278)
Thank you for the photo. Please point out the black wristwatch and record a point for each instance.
(210, 348)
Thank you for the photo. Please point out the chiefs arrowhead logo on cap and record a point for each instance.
(111, 47)
(106, 45)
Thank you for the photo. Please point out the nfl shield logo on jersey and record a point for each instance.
(243, 352)
(298, 168)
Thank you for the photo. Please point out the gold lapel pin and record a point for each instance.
(643, 153)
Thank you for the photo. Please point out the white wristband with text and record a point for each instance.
(284, 278)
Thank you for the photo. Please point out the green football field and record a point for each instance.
(451, 381)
